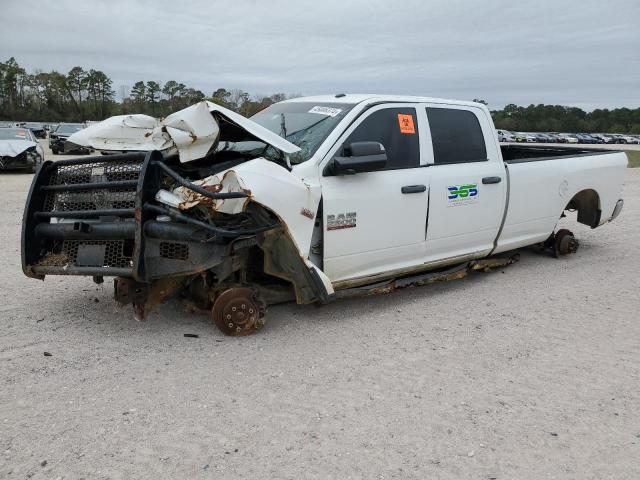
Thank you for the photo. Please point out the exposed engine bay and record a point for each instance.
(181, 216)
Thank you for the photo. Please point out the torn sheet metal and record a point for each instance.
(268, 184)
(193, 132)
(255, 130)
(13, 148)
(123, 133)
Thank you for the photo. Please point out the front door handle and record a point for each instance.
(489, 180)
(413, 189)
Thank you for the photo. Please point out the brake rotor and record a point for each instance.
(237, 311)
(564, 243)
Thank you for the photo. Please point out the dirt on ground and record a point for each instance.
(528, 372)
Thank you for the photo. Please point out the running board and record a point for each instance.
(454, 273)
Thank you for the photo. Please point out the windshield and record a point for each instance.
(304, 124)
(69, 129)
(14, 134)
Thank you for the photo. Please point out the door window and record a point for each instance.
(397, 130)
(456, 136)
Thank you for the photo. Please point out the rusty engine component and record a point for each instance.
(239, 311)
(145, 296)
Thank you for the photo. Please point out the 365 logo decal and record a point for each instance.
(462, 194)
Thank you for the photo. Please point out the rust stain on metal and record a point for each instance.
(191, 198)
(486, 264)
(430, 277)
(213, 188)
(238, 311)
(145, 297)
(54, 260)
(305, 212)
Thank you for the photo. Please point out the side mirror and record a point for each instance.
(359, 157)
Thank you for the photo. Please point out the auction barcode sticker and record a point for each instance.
(330, 111)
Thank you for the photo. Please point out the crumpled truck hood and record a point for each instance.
(13, 148)
(192, 132)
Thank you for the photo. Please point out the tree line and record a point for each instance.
(80, 95)
(558, 118)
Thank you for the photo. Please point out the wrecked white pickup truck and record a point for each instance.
(312, 199)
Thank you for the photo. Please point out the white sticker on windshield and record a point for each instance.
(332, 112)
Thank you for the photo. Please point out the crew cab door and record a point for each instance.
(375, 221)
(467, 183)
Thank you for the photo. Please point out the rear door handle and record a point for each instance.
(413, 189)
(489, 180)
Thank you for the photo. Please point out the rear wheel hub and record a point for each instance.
(564, 243)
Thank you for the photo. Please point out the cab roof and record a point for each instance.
(355, 98)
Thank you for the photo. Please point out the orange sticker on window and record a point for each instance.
(406, 123)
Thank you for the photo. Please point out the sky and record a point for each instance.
(571, 52)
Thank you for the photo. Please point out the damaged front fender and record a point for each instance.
(285, 195)
(268, 184)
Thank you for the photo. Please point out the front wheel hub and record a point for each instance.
(237, 311)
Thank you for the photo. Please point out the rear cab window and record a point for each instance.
(456, 135)
(397, 130)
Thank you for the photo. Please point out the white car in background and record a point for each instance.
(569, 138)
(505, 136)
(630, 139)
(19, 149)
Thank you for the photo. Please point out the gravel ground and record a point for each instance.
(527, 373)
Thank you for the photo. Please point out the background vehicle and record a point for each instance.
(19, 149)
(630, 139)
(519, 137)
(37, 129)
(505, 136)
(569, 138)
(618, 138)
(585, 138)
(531, 138)
(547, 138)
(58, 139)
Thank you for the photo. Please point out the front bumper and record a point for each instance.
(57, 144)
(85, 217)
(22, 161)
(64, 146)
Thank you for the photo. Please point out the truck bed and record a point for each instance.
(526, 153)
(588, 180)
